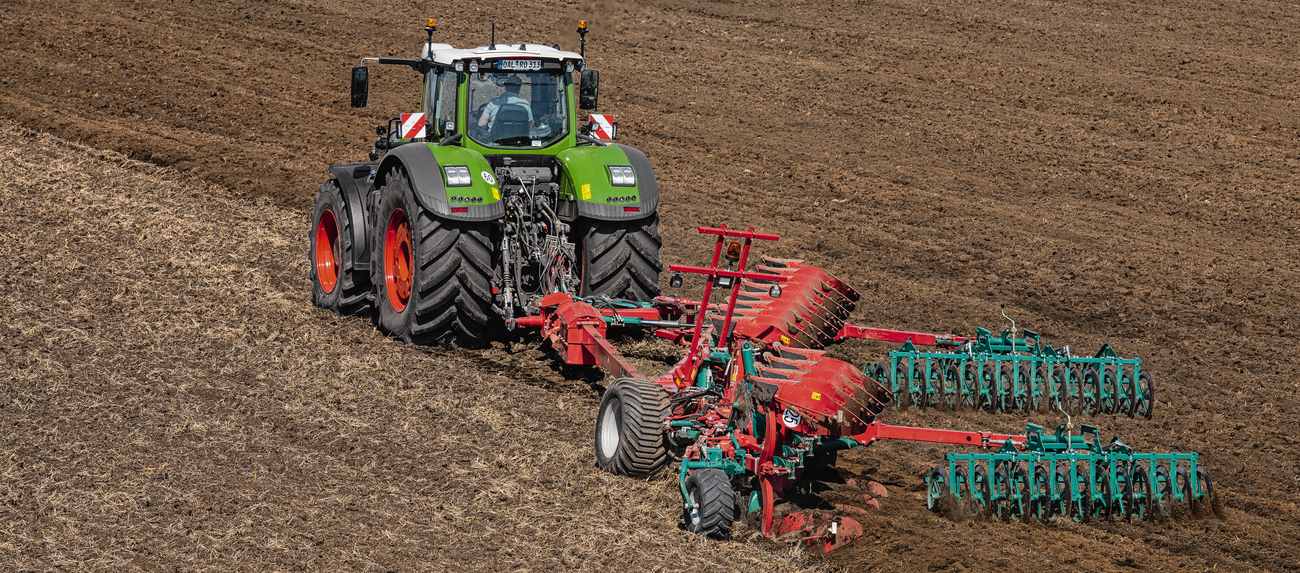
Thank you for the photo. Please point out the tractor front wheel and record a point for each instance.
(620, 259)
(336, 284)
(432, 276)
(713, 501)
(629, 428)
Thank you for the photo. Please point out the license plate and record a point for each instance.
(520, 65)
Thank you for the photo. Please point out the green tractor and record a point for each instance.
(494, 195)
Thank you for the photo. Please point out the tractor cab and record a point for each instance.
(503, 97)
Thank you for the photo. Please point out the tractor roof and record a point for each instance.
(445, 54)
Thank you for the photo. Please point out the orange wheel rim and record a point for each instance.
(397, 260)
(327, 248)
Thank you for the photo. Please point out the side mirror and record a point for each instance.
(589, 90)
(360, 86)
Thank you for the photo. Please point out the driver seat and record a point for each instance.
(511, 122)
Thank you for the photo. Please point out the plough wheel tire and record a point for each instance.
(715, 503)
(629, 428)
(1146, 401)
(432, 276)
(1206, 502)
(1040, 507)
(1091, 384)
(1009, 399)
(1184, 484)
(967, 388)
(1063, 506)
(336, 284)
(1067, 400)
(951, 385)
(962, 485)
(1111, 403)
(1083, 498)
(1037, 386)
(1164, 492)
(980, 488)
(904, 392)
(1138, 495)
(920, 398)
(1128, 394)
(620, 259)
(936, 488)
(1106, 509)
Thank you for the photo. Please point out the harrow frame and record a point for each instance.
(1099, 481)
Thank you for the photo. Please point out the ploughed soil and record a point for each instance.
(1116, 172)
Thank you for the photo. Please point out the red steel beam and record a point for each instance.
(724, 231)
(878, 431)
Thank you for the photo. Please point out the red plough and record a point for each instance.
(756, 409)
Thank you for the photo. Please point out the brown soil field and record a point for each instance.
(1110, 171)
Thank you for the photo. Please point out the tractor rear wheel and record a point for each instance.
(336, 284)
(629, 428)
(432, 276)
(620, 259)
(715, 503)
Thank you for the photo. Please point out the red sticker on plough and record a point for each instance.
(412, 126)
(604, 128)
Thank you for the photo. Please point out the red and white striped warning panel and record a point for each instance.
(604, 128)
(412, 125)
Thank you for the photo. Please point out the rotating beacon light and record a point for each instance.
(582, 38)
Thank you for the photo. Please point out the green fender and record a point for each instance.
(424, 162)
(586, 179)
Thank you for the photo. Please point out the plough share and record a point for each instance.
(758, 411)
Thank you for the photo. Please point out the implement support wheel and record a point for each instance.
(629, 428)
(714, 502)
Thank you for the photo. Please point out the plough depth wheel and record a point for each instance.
(629, 428)
(714, 513)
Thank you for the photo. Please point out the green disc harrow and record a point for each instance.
(1005, 372)
(1070, 476)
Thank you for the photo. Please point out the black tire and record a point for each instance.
(336, 283)
(968, 390)
(1082, 509)
(1139, 494)
(629, 428)
(446, 295)
(981, 488)
(1146, 387)
(620, 259)
(1111, 405)
(1091, 384)
(1063, 506)
(715, 512)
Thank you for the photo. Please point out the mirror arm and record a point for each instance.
(420, 66)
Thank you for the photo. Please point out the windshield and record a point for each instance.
(525, 109)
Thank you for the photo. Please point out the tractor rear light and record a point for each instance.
(458, 176)
(473, 65)
(568, 67)
(621, 176)
(460, 209)
(631, 209)
(459, 66)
